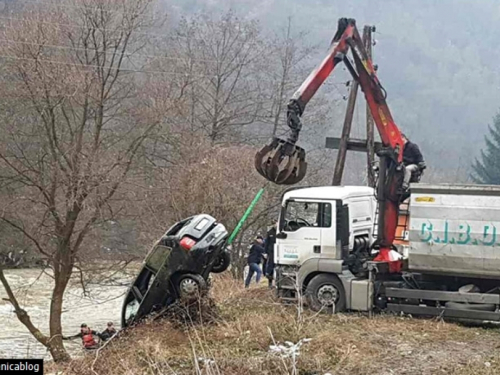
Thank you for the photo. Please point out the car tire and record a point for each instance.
(326, 293)
(191, 286)
(222, 263)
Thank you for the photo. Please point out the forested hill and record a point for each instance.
(437, 59)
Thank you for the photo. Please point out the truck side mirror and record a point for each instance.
(281, 235)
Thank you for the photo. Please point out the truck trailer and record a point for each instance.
(451, 265)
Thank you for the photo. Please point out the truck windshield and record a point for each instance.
(307, 214)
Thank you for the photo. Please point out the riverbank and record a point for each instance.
(99, 303)
(239, 331)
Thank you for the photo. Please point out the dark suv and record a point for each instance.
(177, 267)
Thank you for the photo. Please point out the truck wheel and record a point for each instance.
(325, 292)
(222, 262)
(191, 286)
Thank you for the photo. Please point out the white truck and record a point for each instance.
(452, 269)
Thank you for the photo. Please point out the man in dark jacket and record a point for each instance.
(109, 332)
(270, 241)
(264, 256)
(254, 260)
(412, 160)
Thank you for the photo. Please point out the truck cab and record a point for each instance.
(324, 237)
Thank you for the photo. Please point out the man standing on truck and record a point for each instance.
(412, 160)
(254, 260)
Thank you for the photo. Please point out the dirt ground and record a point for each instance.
(233, 335)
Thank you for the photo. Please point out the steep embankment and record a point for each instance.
(237, 333)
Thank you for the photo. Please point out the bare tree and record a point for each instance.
(289, 61)
(221, 57)
(219, 61)
(73, 124)
(286, 66)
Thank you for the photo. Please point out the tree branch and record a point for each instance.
(22, 314)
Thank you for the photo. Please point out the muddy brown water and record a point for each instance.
(33, 288)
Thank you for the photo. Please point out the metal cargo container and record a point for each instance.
(455, 230)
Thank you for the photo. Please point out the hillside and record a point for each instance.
(236, 335)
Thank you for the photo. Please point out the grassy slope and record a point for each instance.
(238, 339)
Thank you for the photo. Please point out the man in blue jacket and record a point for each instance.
(254, 259)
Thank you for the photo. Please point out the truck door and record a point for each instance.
(303, 223)
(361, 217)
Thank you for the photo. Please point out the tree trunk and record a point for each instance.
(56, 346)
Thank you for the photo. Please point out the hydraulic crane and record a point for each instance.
(283, 162)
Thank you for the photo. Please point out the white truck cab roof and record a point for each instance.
(329, 192)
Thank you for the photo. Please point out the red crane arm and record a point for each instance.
(347, 37)
(375, 97)
(336, 54)
(269, 160)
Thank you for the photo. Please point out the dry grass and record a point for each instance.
(236, 337)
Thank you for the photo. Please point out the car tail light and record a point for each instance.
(187, 243)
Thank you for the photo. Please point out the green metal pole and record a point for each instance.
(245, 216)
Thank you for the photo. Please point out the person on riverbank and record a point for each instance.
(254, 259)
(87, 336)
(109, 332)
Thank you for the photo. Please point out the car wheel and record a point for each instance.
(191, 286)
(222, 262)
(325, 292)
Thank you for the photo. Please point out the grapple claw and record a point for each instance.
(281, 162)
(259, 158)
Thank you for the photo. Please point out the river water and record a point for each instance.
(33, 289)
